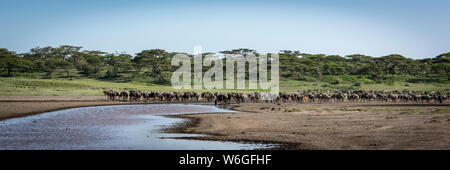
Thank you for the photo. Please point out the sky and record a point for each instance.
(413, 28)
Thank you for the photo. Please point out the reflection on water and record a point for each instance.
(108, 127)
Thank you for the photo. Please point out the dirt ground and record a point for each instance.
(19, 106)
(329, 126)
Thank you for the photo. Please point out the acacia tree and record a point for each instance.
(10, 60)
(442, 64)
(67, 53)
(444, 55)
(405, 67)
(359, 58)
(392, 62)
(118, 62)
(290, 53)
(157, 60)
(51, 64)
(243, 51)
(48, 58)
(91, 62)
(445, 67)
(425, 65)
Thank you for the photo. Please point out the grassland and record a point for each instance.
(293, 85)
(25, 86)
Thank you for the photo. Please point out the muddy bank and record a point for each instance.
(21, 106)
(51, 98)
(191, 121)
(328, 126)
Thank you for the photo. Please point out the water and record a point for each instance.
(120, 127)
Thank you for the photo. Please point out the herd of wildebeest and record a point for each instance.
(283, 97)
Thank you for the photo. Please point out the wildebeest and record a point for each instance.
(124, 95)
(283, 97)
(111, 94)
(135, 95)
(207, 96)
(221, 98)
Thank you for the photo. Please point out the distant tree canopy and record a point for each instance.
(10, 60)
(156, 63)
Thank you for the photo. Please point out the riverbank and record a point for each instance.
(328, 126)
(21, 106)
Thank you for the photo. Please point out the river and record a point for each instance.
(118, 127)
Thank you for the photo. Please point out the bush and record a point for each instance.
(414, 80)
(300, 77)
(335, 81)
(375, 77)
(358, 84)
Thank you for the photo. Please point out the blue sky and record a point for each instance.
(414, 28)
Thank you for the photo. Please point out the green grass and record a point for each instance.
(348, 82)
(25, 86)
(21, 86)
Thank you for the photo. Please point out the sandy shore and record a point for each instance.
(328, 126)
(19, 106)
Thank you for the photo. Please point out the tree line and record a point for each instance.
(156, 63)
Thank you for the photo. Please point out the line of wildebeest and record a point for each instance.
(299, 97)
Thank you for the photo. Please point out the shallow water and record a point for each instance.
(120, 127)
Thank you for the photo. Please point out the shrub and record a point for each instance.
(335, 81)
